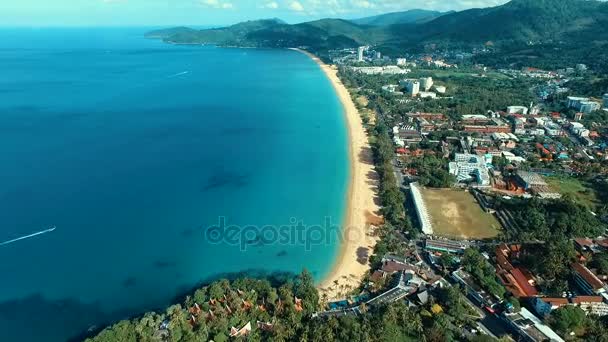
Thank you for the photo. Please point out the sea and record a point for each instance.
(161, 167)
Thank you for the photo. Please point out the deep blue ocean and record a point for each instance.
(133, 149)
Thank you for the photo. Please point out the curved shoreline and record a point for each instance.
(357, 244)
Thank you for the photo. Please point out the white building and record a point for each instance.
(425, 94)
(582, 104)
(512, 158)
(530, 328)
(360, 52)
(589, 106)
(517, 110)
(401, 61)
(426, 83)
(470, 167)
(392, 89)
(386, 70)
(411, 86)
(554, 130)
(578, 129)
(534, 110)
(421, 210)
(440, 89)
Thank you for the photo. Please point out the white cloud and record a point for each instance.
(296, 6)
(217, 4)
(271, 5)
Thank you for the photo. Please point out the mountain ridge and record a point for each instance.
(516, 22)
(414, 16)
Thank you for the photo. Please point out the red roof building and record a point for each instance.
(588, 282)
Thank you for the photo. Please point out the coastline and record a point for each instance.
(357, 243)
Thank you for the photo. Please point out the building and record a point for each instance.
(579, 129)
(605, 101)
(530, 179)
(517, 110)
(428, 116)
(589, 106)
(475, 119)
(487, 129)
(360, 52)
(595, 305)
(587, 281)
(512, 158)
(427, 94)
(426, 83)
(582, 104)
(470, 168)
(442, 90)
(392, 89)
(401, 61)
(385, 70)
(421, 210)
(446, 246)
(530, 328)
(412, 87)
(554, 130)
(535, 184)
(517, 280)
(544, 306)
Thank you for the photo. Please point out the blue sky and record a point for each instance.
(204, 12)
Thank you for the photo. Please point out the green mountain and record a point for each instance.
(415, 16)
(320, 34)
(517, 22)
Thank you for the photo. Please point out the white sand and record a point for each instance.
(357, 242)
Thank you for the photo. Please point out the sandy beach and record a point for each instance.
(357, 243)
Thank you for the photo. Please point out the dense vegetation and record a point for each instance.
(484, 273)
(432, 172)
(212, 310)
(390, 194)
(406, 17)
(571, 319)
(550, 219)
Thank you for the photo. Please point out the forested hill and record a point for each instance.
(415, 16)
(519, 21)
(522, 20)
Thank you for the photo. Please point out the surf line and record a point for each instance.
(28, 236)
(179, 74)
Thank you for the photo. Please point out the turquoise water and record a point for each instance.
(133, 149)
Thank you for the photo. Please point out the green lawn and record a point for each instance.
(568, 186)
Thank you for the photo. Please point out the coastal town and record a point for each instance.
(503, 203)
(476, 200)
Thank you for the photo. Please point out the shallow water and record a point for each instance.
(133, 149)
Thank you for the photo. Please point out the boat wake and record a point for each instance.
(179, 74)
(28, 236)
